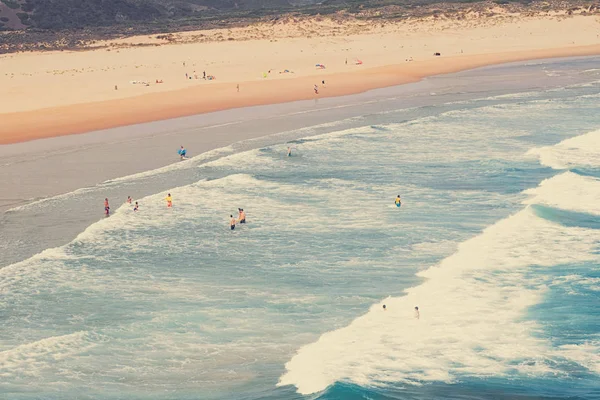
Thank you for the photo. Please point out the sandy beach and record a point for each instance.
(58, 93)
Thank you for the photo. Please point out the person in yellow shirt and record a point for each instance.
(398, 201)
(169, 200)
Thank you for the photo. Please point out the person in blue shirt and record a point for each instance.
(182, 152)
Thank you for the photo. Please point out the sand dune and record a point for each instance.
(57, 93)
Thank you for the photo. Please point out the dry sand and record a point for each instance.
(59, 93)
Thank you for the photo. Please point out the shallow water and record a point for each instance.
(496, 241)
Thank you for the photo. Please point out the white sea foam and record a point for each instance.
(471, 305)
(580, 151)
(586, 355)
(186, 164)
(29, 358)
(471, 309)
(568, 191)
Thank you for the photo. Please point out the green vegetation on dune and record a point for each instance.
(78, 14)
(12, 4)
(71, 24)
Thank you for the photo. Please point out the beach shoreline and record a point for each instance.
(45, 101)
(61, 178)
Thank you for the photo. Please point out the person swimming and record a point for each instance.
(242, 216)
(398, 201)
(232, 222)
(128, 199)
(136, 206)
(169, 200)
(417, 314)
(106, 207)
(289, 152)
(182, 152)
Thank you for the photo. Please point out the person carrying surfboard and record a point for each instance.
(182, 152)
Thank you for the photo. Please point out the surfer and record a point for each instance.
(232, 222)
(182, 152)
(136, 206)
(106, 207)
(417, 314)
(398, 201)
(169, 200)
(128, 199)
(242, 216)
(289, 151)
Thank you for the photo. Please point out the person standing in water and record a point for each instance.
(169, 200)
(242, 216)
(106, 207)
(232, 222)
(417, 314)
(137, 207)
(128, 199)
(398, 201)
(289, 151)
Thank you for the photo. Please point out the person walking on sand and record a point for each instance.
(238, 87)
(169, 200)
(106, 207)
(182, 153)
(316, 89)
(232, 222)
(204, 74)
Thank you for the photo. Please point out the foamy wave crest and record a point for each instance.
(191, 163)
(580, 151)
(568, 191)
(471, 316)
(28, 359)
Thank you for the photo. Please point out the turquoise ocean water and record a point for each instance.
(497, 242)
